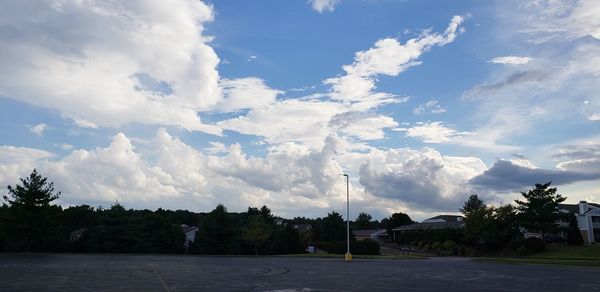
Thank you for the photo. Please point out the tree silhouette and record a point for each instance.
(536, 211)
(32, 219)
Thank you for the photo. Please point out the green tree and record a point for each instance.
(256, 231)
(537, 210)
(216, 234)
(364, 221)
(333, 228)
(396, 220)
(477, 216)
(32, 222)
(574, 236)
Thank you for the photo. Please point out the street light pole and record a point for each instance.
(348, 256)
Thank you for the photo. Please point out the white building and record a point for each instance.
(588, 219)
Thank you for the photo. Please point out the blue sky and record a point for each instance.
(188, 104)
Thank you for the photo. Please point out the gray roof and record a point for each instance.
(574, 208)
(435, 225)
(187, 229)
(368, 232)
(447, 218)
(302, 227)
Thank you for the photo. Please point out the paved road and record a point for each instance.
(75, 272)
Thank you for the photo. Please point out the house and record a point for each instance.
(375, 234)
(302, 227)
(588, 220)
(77, 234)
(190, 234)
(437, 222)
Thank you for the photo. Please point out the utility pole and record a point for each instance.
(348, 255)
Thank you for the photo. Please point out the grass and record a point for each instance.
(559, 254)
(565, 251)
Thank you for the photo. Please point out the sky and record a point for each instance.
(186, 104)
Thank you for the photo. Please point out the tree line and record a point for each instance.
(492, 229)
(29, 221)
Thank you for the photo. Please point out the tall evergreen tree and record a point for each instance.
(31, 220)
(574, 236)
(216, 234)
(537, 210)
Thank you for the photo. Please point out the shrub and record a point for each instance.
(574, 237)
(436, 245)
(521, 250)
(535, 244)
(427, 246)
(361, 247)
(449, 244)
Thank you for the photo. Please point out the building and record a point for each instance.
(588, 220)
(437, 222)
(190, 234)
(77, 234)
(378, 235)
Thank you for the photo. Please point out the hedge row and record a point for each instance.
(361, 247)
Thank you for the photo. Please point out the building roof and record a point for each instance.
(187, 228)
(368, 232)
(443, 218)
(302, 227)
(574, 208)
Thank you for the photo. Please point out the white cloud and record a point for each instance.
(246, 93)
(292, 179)
(511, 60)
(15, 162)
(433, 106)
(323, 5)
(66, 146)
(69, 59)
(594, 117)
(38, 129)
(559, 20)
(423, 179)
(387, 57)
(433, 132)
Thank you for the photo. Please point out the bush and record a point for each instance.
(361, 247)
(524, 246)
(449, 244)
(436, 245)
(574, 237)
(535, 244)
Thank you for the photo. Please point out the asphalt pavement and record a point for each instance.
(111, 272)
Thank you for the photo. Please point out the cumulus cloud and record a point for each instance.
(323, 5)
(246, 93)
(422, 179)
(506, 176)
(15, 161)
(38, 129)
(387, 57)
(63, 55)
(511, 60)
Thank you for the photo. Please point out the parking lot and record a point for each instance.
(79, 272)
